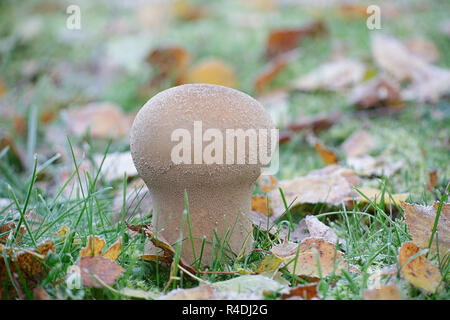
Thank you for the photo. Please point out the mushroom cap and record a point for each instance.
(216, 107)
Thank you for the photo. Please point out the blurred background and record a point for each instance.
(327, 71)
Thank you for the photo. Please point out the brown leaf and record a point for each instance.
(358, 144)
(40, 294)
(419, 272)
(103, 268)
(312, 249)
(26, 262)
(432, 180)
(157, 258)
(284, 40)
(304, 292)
(331, 185)
(378, 92)
(428, 82)
(105, 120)
(272, 69)
(169, 62)
(389, 292)
(420, 221)
(316, 123)
(213, 71)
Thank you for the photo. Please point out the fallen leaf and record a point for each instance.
(316, 123)
(371, 166)
(40, 294)
(272, 69)
(328, 156)
(389, 292)
(358, 144)
(267, 183)
(427, 82)
(269, 264)
(375, 195)
(259, 204)
(311, 251)
(104, 120)
(318, 229)
(113, 252)
(432, 180)
(186, 10)
(161, 243)
(169, 62)
(103, 268)
(304, 292)
(281, 41)
(204, 292)
(423, 48)
(213, 71)
(419, 271)
(332, 185)
(378, 92)
(420, 221)
(352, 11)
(93, 248)
(251, 285)
(331, 76)
(26, 262)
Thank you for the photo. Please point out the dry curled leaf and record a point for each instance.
(27, 263)
(272, 69)
(169, 62)
(95, 245)
(427, 82)
(420, 221)
(332, 76)
(284, 40)
(304, 292)
(418, 271)
(378, 92)
(161, 243)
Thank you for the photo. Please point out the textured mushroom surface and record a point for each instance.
(219, 194)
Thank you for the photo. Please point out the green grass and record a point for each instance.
(371, 235)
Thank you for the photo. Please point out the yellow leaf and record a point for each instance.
(93, 248)
(269, 263)
(375, 194)
(113, 252)
(213, 71)
(328, 156)
(419, 271)
(259, 204)
(420, 221)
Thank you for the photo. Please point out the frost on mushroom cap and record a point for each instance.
(178, 107)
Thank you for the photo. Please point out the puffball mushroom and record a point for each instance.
(181, 142)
